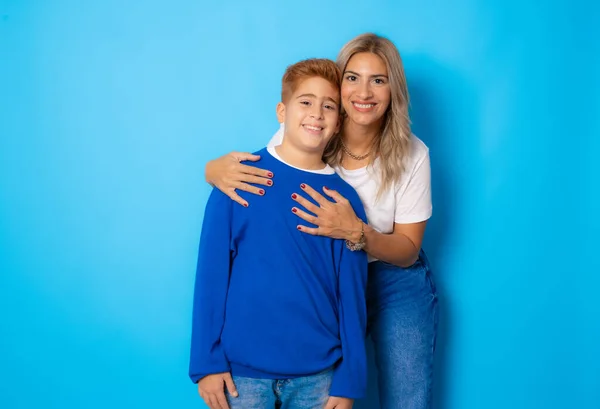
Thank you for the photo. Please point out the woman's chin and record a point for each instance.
(364, 120)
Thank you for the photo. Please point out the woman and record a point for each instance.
(389, 168)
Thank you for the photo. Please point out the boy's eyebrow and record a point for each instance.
(358, 75)
(314, 96)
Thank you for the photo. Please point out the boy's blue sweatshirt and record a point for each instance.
(273, 302)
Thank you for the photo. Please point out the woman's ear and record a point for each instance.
(280, 112)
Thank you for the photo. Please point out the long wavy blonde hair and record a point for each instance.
(392, 144)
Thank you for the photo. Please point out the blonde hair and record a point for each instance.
(302, 70)
(392, 144)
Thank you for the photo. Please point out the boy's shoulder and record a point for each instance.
(347, 191)
(343, 187)
(262, 163)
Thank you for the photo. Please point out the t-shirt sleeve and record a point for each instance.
(210, 291)
(413, 198)
(277, 139)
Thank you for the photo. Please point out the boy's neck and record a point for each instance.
(298, 158)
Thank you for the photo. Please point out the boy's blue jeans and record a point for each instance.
(309, 392)
(402, 322)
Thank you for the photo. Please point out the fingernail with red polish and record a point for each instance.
(294, 196)
(294, 209)
(298, 228)
(325, 187)
(303, 186)
(245, 204)
(262, 192)
(269, 182)
(270, 174)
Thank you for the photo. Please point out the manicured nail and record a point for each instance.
(303, 186)
(245, 204)
(325, 187)
(262, 192)
(294, 196)
(299, 228)
(270, 174)
(294, 209)
(269, 182)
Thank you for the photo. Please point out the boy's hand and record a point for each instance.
(212, 390)
(339, 403)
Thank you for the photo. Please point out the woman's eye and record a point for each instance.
(379, 81)
(351, 77)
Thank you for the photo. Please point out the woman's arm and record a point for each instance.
(227, 174)
(401, 247)
(338, 220)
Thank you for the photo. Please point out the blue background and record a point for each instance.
(109, 111)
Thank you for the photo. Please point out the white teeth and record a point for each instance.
(313, 128)
(364, 106)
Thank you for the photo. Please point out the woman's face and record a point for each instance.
(366, 89)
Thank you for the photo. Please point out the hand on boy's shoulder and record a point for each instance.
(335, 402)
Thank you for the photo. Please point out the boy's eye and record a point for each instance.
(305, 103)
(330, 107)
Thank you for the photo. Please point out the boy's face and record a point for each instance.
(311, 115)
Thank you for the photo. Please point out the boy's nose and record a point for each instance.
(317, 113)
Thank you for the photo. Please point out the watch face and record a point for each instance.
(355, 246)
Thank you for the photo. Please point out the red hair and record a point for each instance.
(313, 67)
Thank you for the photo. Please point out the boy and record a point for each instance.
(280, 316)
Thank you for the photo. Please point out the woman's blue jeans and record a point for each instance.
(402, 322)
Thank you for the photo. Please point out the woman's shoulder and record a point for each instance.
(418, 154)
(418, 149)
(413, 162)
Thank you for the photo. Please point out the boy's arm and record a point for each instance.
(210, 291)
(350, 376)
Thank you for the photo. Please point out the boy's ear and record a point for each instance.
(338, 125)
(280, 112)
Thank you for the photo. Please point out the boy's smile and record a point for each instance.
(311, 115)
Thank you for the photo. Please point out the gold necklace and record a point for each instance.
(353, 156)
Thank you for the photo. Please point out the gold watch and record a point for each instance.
(360, 244)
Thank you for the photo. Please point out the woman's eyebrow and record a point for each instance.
(358, 75)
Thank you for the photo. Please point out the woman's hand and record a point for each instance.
(227, 174)
(333, 219)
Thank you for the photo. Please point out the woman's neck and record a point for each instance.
(359, 138)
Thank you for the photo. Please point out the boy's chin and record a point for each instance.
(315, 146)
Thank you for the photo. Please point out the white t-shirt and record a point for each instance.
(327, 170)
(407, 201)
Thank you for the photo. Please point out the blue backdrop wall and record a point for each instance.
(109, 111)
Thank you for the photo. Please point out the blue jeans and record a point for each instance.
(402, 322)
(309, 392)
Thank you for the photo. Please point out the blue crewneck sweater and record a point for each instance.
(272, 302)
